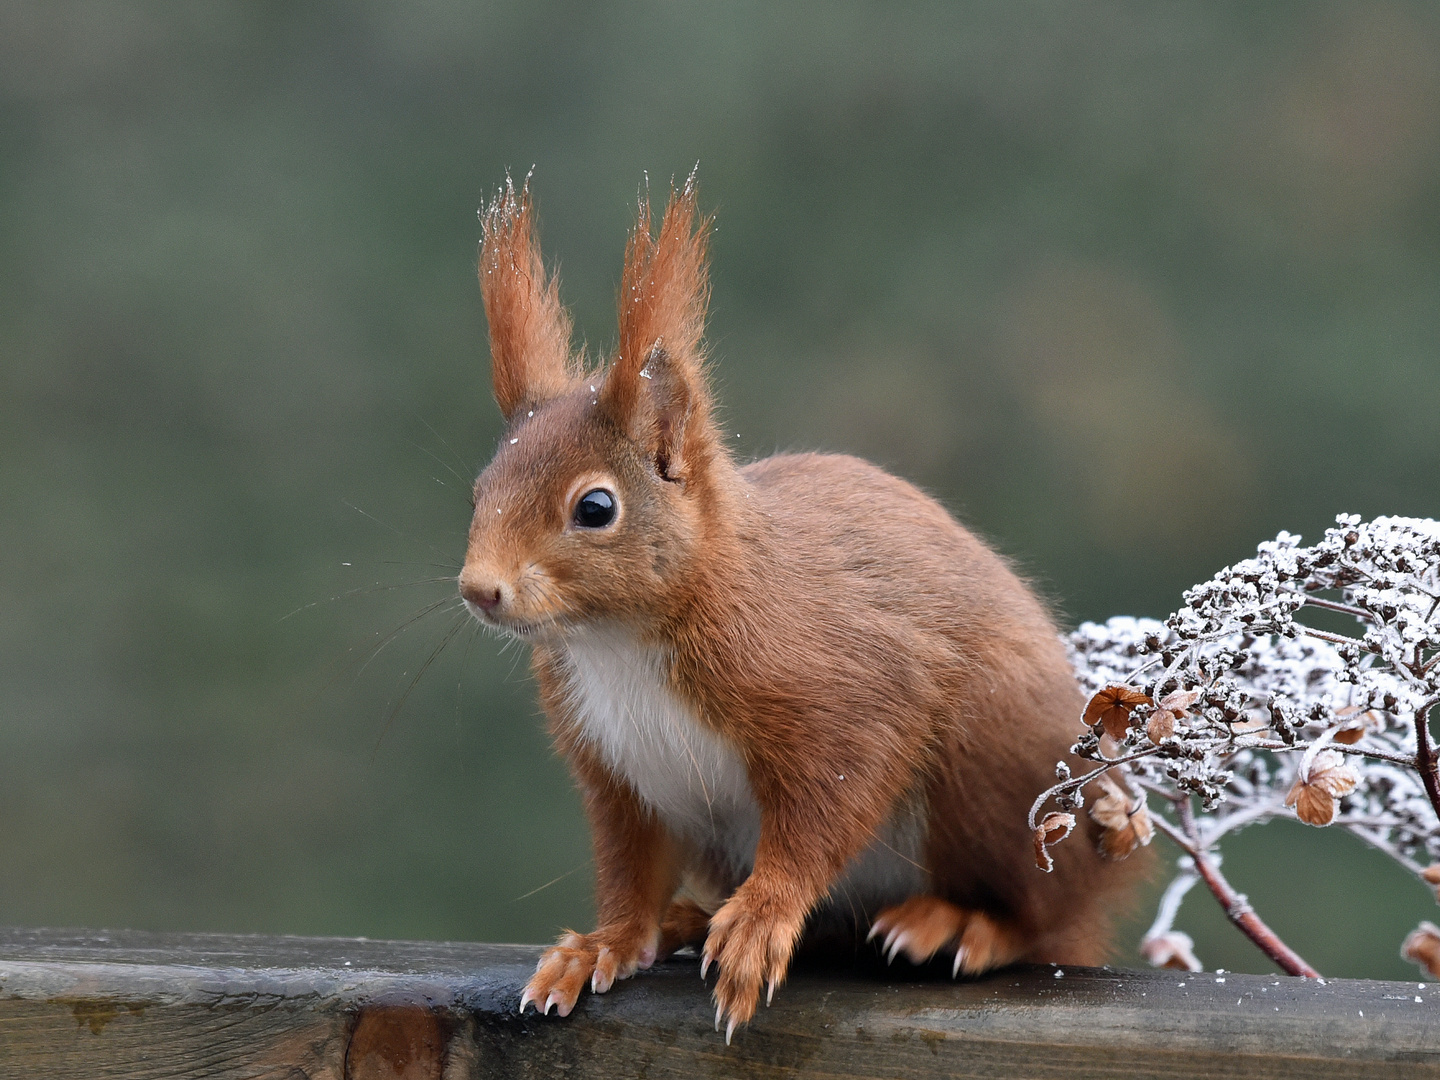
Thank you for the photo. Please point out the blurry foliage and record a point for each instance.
(1128, 285)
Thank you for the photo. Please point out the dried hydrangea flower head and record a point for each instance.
(1236, 710)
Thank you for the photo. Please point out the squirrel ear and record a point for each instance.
(661, 417)
(529, 329)
(656, 390)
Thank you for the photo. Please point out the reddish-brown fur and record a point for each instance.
(529, 329)
(833, 626)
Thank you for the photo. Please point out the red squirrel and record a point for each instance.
(798, 697)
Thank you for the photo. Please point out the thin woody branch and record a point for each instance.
(1425, 757)
(1235, 906)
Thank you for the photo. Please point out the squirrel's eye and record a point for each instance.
(596, 509)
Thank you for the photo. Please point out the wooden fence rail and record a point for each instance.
(138, 1005)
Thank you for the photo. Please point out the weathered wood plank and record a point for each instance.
(140, 1006)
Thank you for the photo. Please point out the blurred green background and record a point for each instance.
(1131, 286)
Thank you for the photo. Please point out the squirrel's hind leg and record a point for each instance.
(685, 923)
(923, 925)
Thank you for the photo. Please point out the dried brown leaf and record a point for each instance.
(1423, 947)
(1357, 726)
(1180, 701)
(1161, 725)
(1112, 707)
(1312, 806)
(1124, 819)
(1317, 789)
(1431, 876)
(1052, 830)
(1329, 771)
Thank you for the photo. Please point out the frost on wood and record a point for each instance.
(1246, 705)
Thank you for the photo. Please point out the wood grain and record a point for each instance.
(136, 1005)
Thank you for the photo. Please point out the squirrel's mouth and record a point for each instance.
(519, 628)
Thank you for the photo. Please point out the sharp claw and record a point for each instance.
(526, 999)
(704, 967)
(875, 928)
(719, 1011)
(959, 959)
(594, 982)
(899, 944)
(890, 937)
(729, 1030)
(770, 993)
(549, 1001)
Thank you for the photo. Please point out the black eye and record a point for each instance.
(596, 509)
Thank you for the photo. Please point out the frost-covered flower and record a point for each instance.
(1247, 702)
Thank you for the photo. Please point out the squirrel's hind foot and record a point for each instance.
(923, 925)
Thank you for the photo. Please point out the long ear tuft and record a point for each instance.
(529, 329)
(656, 387)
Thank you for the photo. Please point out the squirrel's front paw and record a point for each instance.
(752, 947)
(603, 957)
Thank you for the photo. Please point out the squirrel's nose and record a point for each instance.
(485, 593)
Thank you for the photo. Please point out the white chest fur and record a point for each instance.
(648, 734)
(694, 779)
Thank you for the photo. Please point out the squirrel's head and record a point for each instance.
(595, 503)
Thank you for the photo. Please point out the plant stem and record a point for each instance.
(1243, 915)
(1240, 818)
(1344, 609)
(1237, 908)
(1425, 756)
(1277, 747)
(1075, 783)
(1170, 903)
(1325, 635)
